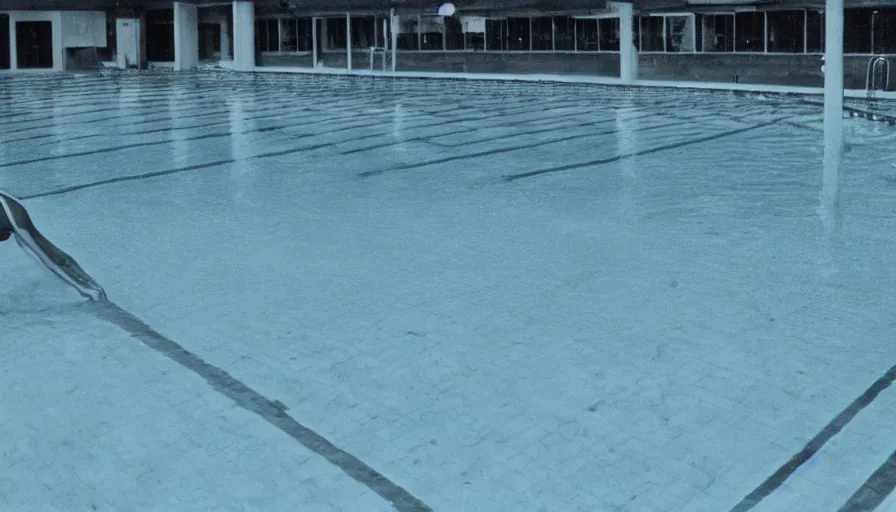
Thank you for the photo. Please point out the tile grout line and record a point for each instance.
(269, 410)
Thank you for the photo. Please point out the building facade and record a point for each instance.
(747, 41)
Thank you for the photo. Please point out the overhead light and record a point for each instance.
(447, 9)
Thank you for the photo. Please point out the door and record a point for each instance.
(209, 41)
(34, 44)
(4, 41)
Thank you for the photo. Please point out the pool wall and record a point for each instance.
(747, 68)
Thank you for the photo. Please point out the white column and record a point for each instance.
(314, 48)
(225, 39)
(393, 23)
(348, 41)
(13, 51)
(186, 36)
(59, 47)
(628, 57)
(833, 120)
(243, 35)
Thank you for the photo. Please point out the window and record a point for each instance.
(814, 31)
(680, 33)
(750, 27)
(288, 35)
(267, 35)
(587, 39)
(431, 33)
(564, 37)
(494, 34)
(474, 41)
(474, 33)
(884, 21)
(785, 31)
(718, 32)
(857, 30)
(362, 32)
(636, 28)
(303, 35)
(406, 39)
(295, 35)
(336, 34)
(608, 28)
(543, 33)
(652, 33)
(454, 33)
(518, 36)
(382, 32)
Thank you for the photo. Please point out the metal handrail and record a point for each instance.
(876, 66)
(382, 51)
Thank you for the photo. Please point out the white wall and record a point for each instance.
(54, 17)
(71, 29)
(84, 28)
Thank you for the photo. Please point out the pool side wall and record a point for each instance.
(746, 68)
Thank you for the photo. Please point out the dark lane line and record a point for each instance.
(272, 411)
(666, 147)
(773, 482)
(506, 149)
(875, 490)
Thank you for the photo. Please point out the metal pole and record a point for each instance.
(873, 15)
(348, 41)
(314, 42)
(553, 35)
(393, 21)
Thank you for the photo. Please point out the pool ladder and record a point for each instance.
(383, 52)
(877, 78)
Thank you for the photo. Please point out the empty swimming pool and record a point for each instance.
(447, 295)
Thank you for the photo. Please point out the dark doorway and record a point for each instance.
(34, 44)
(4, 41)
(320, 38)
(107, 54)
(209, 41)
(160, 35)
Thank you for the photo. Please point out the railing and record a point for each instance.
(877, 78)
(382, 52)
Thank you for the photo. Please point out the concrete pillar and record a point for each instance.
(58, 46)
(833, 125)
(243, 35)
(186, 36)
(225, 39)
(628, 56)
